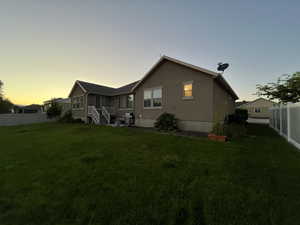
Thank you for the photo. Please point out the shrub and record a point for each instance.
(5, 106)
(240, 116)
(68, 118)
(218, 129)
(235, 130)
(54, 111)
(166, 122)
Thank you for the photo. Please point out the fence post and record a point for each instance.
(288, 105)
(280, 118)
(275, 119)
(271, 117)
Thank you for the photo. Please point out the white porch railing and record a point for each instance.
(106, 114)
(93, 113)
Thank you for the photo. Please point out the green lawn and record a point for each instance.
(76, 174)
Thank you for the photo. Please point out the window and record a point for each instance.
(77, 102)
(129, 101)
(257, 110)
(126, 101)
(153, 98)
(188, 89)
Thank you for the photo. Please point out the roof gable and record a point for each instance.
(126, 88)
(92, 88)
(97, 89)
(76, 84)
(214, 75)
(257, 100)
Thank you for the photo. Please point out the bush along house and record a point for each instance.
(196, 96)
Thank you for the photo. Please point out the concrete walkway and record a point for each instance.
(258, 120)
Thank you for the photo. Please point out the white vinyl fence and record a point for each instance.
(285, 119)
(22, 118)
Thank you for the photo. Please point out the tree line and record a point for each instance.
(5, 105)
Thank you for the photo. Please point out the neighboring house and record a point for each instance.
(258, 108)
(34, 108)
(198, 97)
(238, 104)
(65, 104)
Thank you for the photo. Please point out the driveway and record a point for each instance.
(258, 120)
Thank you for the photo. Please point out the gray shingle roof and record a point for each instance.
(107, 91)
(126, 89)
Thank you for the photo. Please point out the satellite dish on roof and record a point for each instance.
(222, 66)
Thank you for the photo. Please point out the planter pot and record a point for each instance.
(221, 138)
(212, 137)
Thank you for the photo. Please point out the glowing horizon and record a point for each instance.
(47, 46)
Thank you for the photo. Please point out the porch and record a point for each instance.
(110, 110)
(109, 116)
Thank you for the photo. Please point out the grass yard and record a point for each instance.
(75, 174)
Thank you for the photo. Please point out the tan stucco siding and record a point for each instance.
(79, 113)
(262, 105)
(170, 77)
(224, 103)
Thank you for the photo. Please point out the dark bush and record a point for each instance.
(235, 124)
(5, 106)
(166, 122)
(54, 111)
(68, 118)
(235, 130)
(240, 116)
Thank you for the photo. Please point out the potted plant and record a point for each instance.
(218, 133)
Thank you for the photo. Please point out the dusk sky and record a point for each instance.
(46, 45)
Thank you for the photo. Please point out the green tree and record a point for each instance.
(286, 89)
(1, 91)
(54, 111)
(5, 105)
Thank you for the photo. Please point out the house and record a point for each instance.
(239, 103)
(34, 108)
(198, 97)
(259, 108)
(65, 104)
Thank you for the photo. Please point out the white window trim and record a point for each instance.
(188, 97)
(150, 89)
